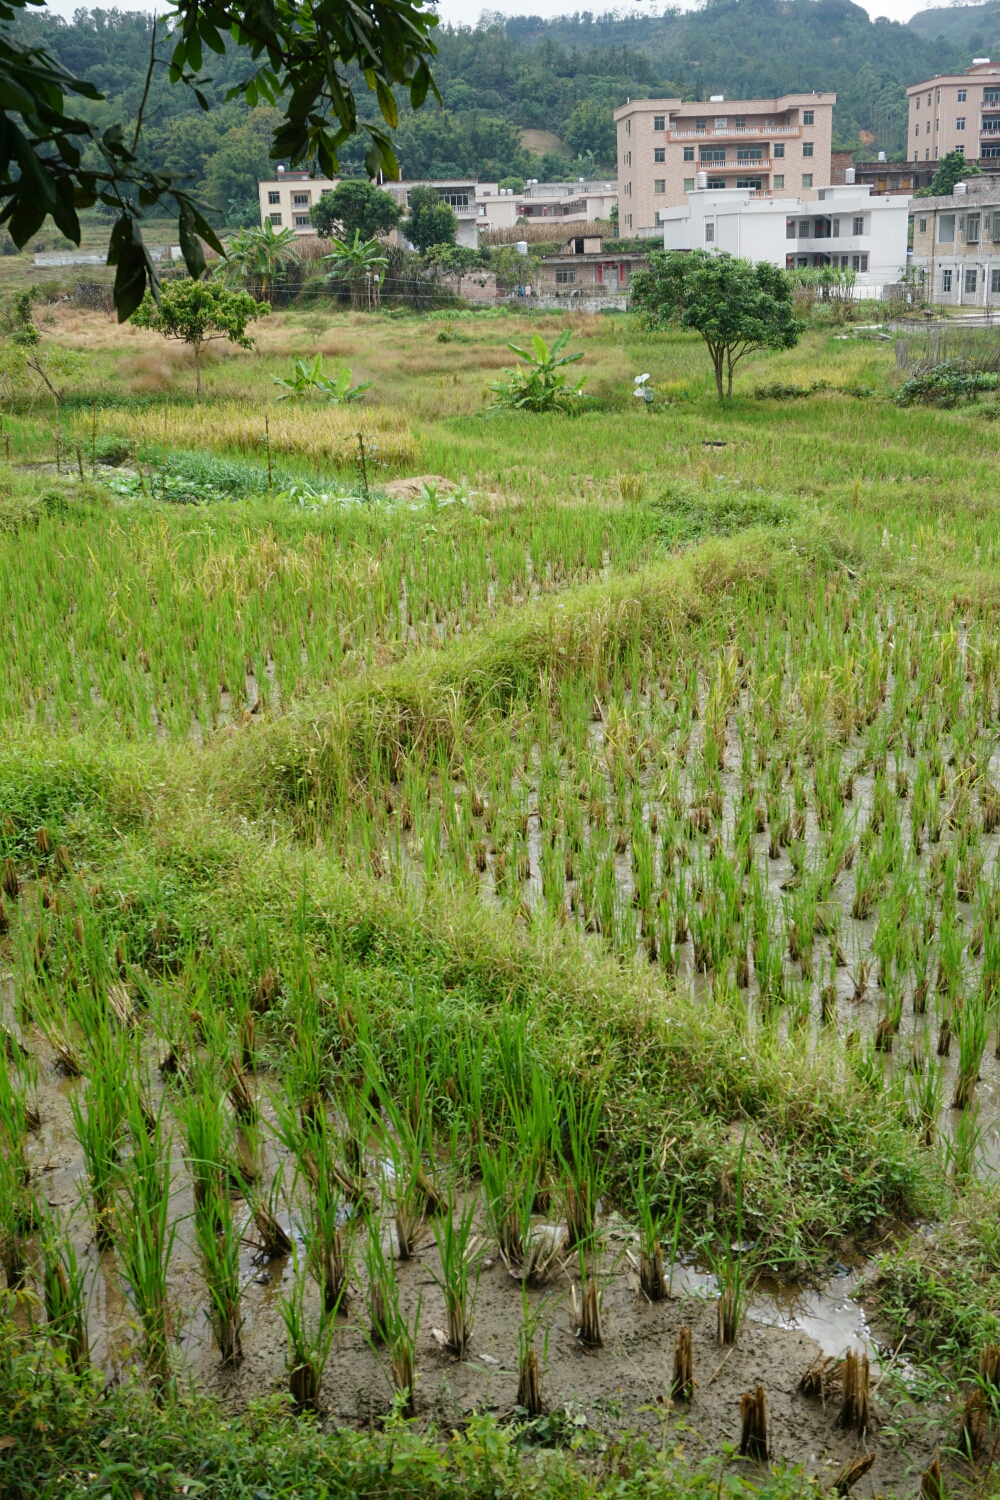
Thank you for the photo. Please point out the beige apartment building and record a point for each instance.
(775, 147)
(956, 112)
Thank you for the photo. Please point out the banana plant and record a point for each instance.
(541, 384)
(309, 378)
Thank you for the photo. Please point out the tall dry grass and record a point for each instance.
(556, 231)
(325, 435)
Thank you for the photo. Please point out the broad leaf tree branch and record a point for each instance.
(299, 54)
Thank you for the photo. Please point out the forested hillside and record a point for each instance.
(973, 28)
(502, 77)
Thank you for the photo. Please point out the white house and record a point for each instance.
(848, 227)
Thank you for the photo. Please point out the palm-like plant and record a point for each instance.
(359, 263)
(309, 379)
(541, 383)
(258, 258)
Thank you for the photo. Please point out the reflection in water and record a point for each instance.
(825, 1312)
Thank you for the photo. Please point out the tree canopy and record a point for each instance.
(197, 312)
(430, 221)
(951, 169)
(736, 305)
(355, 206)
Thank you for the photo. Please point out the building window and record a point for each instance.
(700, 126)
(928, 101)
(689, 184)
(995, 280)
(779, 180)
(274, 197)
(970, 280)
(962, 96)
(749, 153)
(855, 262)
(991, 151)
(275, 218)
(751, 184)
(946, 229)
(721, 122)
(659, 122)
(918, 101)
(916, 128)
(946, 281)
(808, 117)
(660, 154)
(709, 234)
(927, 154)
(300, 200)
(858, 224)
(564, 276)
(807, 148)
(778, 149)
(302, 221)
(807, 179)
(789, 229)
(803, 229)
(836, 229)
(960, 123)
(923, 226)
(959, 149)
(689, 153)
(713, 153)
(803, 262)
(659, 185)
(972, 229)
(740, 123)
(716, 182)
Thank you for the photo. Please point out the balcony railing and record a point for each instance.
(760, 132)
(747, 168)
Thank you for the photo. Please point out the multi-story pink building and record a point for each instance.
(956, 112)
(778, 147)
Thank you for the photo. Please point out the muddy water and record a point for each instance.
(853, 1019)
(824, 1311)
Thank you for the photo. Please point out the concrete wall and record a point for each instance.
(959, 259)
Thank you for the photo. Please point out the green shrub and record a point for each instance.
(946, 384)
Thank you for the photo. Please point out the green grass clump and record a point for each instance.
(141, 1447)
(942, 1287)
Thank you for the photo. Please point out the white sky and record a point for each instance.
(467, 12)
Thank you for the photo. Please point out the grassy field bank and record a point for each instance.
(582, 855)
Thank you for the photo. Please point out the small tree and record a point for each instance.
(431, 222)
(736, 305)
(355, 207)
(950, 169)
(360, 264)
(197, 313)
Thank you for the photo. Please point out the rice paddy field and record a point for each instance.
(500, 922)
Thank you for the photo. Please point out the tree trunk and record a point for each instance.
(197, 372)
(717, 362)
